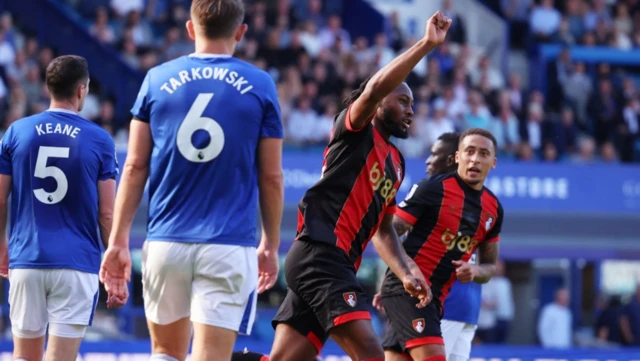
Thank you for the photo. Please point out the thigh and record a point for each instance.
(224, 287)
(211, 343)
(28, 303)
(61, 348)
(297, 315)
(463, 346)
(72, 297)
(413, 326)
(358, 339)
(451, 332)
(167, 276)
(322, 276)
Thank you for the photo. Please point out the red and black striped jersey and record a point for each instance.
(450, 219)
(361, 174)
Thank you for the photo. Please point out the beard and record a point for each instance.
(396, 129)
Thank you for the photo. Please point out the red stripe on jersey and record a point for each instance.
(357, 205)
(408, 217)
(444, 231)
(300, 222)
(397, 164)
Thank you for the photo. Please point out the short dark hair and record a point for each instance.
(450, 139)
(218, 18)
(356, 93)
(481, 132)
(64, 74)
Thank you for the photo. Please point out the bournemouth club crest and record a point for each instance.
(350, 298)
(418, 325)
(489, 222)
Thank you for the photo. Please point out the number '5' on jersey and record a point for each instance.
(207, 114)
(56, 159)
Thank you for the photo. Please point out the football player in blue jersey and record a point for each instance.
(462, 305)
(207, 134)
(60, 170)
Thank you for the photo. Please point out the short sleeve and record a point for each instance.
(420, 198)
(272, 120)
(494, 233)
(141, 108)
(108, 160)
(6, 166)
(342, 126)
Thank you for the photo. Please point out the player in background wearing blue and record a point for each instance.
(207, 133)
(460, 320)
(60, 170)
(462, 305)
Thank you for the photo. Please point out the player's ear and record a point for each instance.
(451, 160)
(191, 29)
(495, 161)
(242, 29)
(457, 156)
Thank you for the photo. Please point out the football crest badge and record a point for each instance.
(418, 325)
(489, 222)
(350, 298)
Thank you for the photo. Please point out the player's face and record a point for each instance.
(441, 158)
(475, 158)
(397, 112)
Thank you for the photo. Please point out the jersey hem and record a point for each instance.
(53, 266)
(233, 242)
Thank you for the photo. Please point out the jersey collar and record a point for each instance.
(61, 110)
(209, 56)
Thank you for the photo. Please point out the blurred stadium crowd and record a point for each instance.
(589, 114)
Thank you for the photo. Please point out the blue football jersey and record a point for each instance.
(56, 159)
(463, 302)
(207, 114)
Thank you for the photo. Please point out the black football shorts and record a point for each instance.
(323, 291)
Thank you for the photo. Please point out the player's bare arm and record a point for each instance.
(386, 242)
(271, 189)
(106, 200)
(393, 74)
(401, 226)
(116, 265)
(488, 254)
(482, 272)
(134, 177)
(5, 190)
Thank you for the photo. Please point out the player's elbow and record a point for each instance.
(271, 179)
(105, 217)
(134, 167)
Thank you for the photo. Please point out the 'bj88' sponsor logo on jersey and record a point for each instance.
(382, 183)
(464, 244)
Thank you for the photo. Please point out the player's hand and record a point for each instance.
(4, 261)
(117, 301)
(377, 302)
(437, 27)
(465, 272)
(418, 288)
(115, 271)
(268, 265)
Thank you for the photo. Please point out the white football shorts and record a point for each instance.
(458, 337)
(38, 297)
(213, 284)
